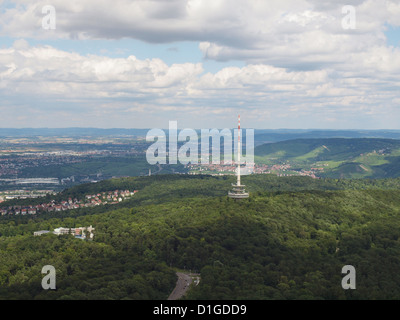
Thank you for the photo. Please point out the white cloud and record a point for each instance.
(283, 33)
(78, 84)
(300, 61)
(46, 70)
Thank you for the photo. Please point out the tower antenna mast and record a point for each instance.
(238, 191)
(238, 156)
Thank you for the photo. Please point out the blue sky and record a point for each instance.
(393, 36)
(286, 64)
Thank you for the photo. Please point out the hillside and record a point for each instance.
(262, 136)
(336, 157)
(289, 240)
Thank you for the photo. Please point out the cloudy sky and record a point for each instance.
(140, 63)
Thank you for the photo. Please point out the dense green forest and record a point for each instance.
(289, 240)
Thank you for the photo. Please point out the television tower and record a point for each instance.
(238, 191)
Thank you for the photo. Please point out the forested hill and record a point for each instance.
(337, 157)
(164, 188)
(289, 240)
(335, 148)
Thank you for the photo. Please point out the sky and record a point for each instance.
(296, 64)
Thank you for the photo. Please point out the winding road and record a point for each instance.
(182, 285)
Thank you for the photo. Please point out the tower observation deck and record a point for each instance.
(238, 191)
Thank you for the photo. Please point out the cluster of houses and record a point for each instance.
(80, 232)
(217, 169)
(110, 197)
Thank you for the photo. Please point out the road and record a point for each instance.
(159, 168)
(182, 286)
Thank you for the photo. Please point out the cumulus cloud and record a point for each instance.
(302, 66)
(116, 88)
(57, 71)
(289, 33)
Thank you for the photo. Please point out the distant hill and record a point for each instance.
(338, 157)
(262, 136)
(48, 132)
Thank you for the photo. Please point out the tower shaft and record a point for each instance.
(238, 156)
(238, 191)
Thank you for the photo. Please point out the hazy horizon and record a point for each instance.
(181, 128)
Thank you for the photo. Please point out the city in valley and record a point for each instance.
(32, 166)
